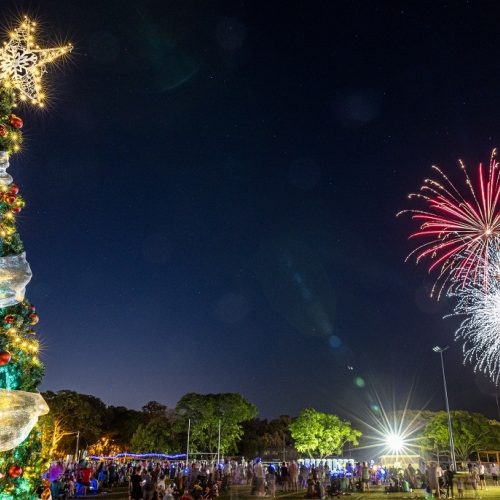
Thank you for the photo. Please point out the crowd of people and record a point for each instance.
(203, 480)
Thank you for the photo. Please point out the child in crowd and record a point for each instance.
(460, 487)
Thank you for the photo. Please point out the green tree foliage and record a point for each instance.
(154, 409)
(77, 412)
(323, 434)
(266, 438)
(156, 432)
(120, 424)
(157, 435)
(471, 432)
(205, 411)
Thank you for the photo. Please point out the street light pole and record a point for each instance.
(77, 445)
(440, 350)
(187, 445)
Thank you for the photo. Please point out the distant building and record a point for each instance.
(491, 456)
(401, 460)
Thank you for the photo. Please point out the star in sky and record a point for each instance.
(23, 62)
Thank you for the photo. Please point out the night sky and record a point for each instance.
(212, 197)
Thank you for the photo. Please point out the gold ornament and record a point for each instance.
(23, 62)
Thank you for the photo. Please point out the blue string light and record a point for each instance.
(140, 456)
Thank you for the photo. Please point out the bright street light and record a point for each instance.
(395, 442)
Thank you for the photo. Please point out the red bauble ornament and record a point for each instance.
(15, 471)
(15, 210)
(9, 319)
(15, 121)
(5, 358)
(13, 189)
(34, 319)
(11, 199)
(3, 131)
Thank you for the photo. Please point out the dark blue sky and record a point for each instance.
(212, 197)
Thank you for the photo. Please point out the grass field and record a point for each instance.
(242, 492)
(376, 494)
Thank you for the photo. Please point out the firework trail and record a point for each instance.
(460, 226)
(480, 330)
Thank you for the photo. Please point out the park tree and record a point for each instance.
(120, 423)
(471, 432)
(76, 412)
(105, 446)
(53, 432)
(205, 411)
(156, 435)
(154, 409)
(266, 438)
(322, 434)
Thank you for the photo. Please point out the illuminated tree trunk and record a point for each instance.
(20, 369)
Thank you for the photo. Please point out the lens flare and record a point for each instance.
(393, 433)
(394, 442)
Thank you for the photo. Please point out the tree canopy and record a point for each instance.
(471, 432)
(320, 433)
(75, 412)
(205, 411)
(263, 437)
(157, 435)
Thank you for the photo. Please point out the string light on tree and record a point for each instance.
(23, 62)
(22, 66)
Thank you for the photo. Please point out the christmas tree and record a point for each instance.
(22, 66)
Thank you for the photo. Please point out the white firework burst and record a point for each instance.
(480, 330)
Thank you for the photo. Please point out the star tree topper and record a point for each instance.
(23, 62)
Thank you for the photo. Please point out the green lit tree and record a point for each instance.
(22, 65)
(321, 434)
(471, 432)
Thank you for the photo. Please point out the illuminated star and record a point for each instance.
(22, 62)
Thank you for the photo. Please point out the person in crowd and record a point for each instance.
(432, 479)
(448, 481)
(365, 476)
(57, 489)
(494, 473)
(460, 487)
(169, 492)
(285, 477)
(410, 473)
(303, 473)
(135, 485)
(271, 481)
(293, 470)
(249, 474)
(160, 486)
(259, 477)
(186, 495)
(349, 472)
(85, 474)
(148, 486)
(481, 471)
(473, 480)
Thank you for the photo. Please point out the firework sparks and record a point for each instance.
(480, 330)
(457, 224)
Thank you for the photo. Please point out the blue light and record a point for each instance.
(140, 456)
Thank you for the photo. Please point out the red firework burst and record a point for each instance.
(460, 228)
